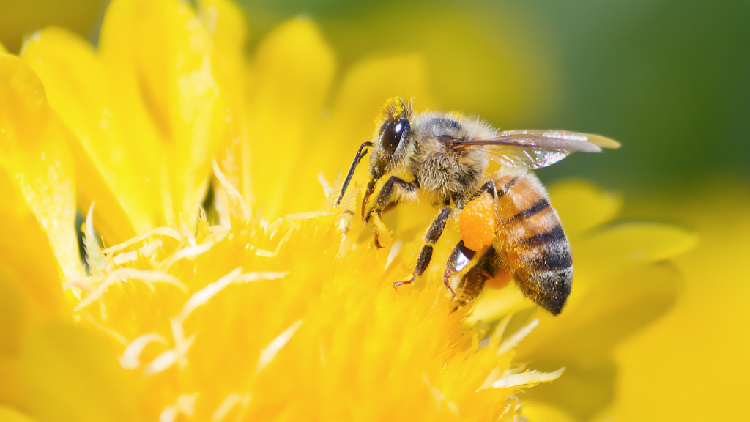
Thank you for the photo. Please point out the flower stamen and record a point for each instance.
(159, 231)
(439, 397)
(169, 357)
(184, 404)
(268, 353)
(528, 378)
(190, 252)
(230, 402)
(511, 342)
(148, 277)
(130, 358)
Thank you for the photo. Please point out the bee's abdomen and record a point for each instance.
(545, 272)
(534, 242)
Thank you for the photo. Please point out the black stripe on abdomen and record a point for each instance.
(555, 234)
(555, 259)
(554, 256)
(538, 207)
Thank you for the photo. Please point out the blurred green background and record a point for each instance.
(669, 79)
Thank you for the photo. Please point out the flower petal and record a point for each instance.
(227, 24)
(11, 389)
(583, 206)
(8, 414)
(73, 374)
(540, 411)
(589, 327)
(294, 68)
(490, 302)
(228, 28)
(627, 245)
(27, 260)
(698, 353)
(109, 158)
(583, 336)
(161, 55)
(39, 244)
(16, 318)
(583, 391)
(15, 315)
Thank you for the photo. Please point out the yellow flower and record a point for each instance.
(269, 314)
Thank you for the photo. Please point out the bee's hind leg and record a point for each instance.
(430, 238)
(459, 258)
(472, 282)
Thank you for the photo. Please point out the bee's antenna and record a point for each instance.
(360, 153)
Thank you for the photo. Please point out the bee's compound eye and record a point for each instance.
(393, 132)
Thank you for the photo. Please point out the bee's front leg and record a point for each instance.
(385, 202)
(430, 238)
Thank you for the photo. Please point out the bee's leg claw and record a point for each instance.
(407, 280)
(458, 304)
(376, 241)
(378, 227)
(450, 289)
(366, 216)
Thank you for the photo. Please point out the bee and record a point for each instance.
(444, 158)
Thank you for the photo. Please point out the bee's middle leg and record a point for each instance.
(430, 238)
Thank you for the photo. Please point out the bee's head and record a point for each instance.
(393, 145)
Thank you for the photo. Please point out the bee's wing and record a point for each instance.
(533, 149)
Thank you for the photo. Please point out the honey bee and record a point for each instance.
(444, 157)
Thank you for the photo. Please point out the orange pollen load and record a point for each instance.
(477, 222)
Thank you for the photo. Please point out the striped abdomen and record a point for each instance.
(530, 240)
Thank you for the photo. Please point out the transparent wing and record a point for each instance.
(533, 149)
